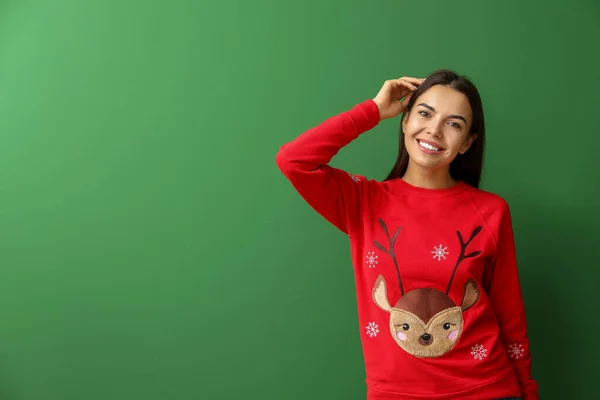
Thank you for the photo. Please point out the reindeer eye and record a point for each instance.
(405, 327)
(446, 326)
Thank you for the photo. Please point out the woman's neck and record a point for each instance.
(428, 178)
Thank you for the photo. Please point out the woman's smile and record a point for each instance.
(428, 147)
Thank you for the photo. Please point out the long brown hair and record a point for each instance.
(465, 167)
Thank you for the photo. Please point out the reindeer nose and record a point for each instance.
(426, 339)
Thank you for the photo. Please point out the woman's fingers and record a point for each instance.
(411, 80)
(404, 102)
(415, 81)
(394, 95)
(401, 87)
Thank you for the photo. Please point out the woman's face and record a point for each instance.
(436, 129)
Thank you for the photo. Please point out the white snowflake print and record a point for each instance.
(372, 329)
(478, 352)
(372, 259)
(355, 178)
(439, 252)
(515, 351)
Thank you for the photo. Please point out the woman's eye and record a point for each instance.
(455, 125)
(423, 113)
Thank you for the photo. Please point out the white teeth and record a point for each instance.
(428, 146)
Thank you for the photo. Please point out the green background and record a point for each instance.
(150, 248)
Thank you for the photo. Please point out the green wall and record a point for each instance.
(149, 247)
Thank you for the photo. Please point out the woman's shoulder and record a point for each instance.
(487, 197)
(491, 206)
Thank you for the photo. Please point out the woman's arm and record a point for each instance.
(332, 192)
(506, 297)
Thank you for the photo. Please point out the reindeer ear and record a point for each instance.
(380, 295)
(471, 295)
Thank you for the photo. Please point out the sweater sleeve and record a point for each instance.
(332, 192)
(506, 296)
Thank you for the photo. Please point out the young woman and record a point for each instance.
(439, 300)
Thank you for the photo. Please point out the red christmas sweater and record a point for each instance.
(440, 309)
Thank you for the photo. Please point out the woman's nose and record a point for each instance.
(435, 129)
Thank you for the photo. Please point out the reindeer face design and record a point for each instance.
(425, 322)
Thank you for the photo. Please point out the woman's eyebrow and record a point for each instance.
(449, 116)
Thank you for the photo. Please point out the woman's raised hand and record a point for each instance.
(394, 96)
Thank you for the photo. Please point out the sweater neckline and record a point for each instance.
(400, 185)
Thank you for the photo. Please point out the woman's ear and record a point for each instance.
(468, 143)
(403, 124)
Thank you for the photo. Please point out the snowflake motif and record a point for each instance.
(372, 259)
(355, 178)
(516, 351)
(478, 352)
(439, 252)
(372, 329)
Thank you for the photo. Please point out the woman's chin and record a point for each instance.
(429, 162)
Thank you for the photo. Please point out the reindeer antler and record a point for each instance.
(462, 256)
(390, 251)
